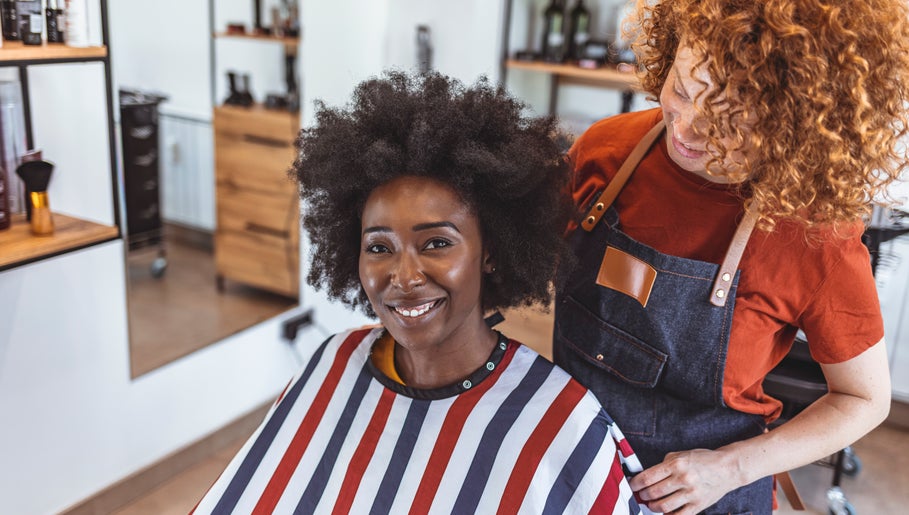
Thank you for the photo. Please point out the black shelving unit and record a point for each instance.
(22, 58)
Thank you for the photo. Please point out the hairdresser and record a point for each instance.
(713, 228)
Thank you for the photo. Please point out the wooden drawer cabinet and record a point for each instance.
(257, 235)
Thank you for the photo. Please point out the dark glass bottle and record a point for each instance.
(4, 201)
(554, 32)
(55, 21)
(10, 20)
(579, 30)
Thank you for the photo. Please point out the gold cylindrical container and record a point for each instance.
(42, 220)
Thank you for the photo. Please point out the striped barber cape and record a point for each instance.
(517, 436)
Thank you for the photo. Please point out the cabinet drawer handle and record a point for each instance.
(268, 142)
(254, 227)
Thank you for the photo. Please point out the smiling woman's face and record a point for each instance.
(421, 264)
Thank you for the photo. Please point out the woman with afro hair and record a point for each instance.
(715, 227)
(429, 205)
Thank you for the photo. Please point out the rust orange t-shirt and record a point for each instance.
(823, 286)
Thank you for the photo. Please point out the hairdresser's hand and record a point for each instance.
(686, 482)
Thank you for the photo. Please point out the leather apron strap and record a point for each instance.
(618, 182)
(723, 281)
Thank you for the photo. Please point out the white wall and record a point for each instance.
(73, 420)
(163, 46)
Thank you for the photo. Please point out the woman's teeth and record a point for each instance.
(415, 311)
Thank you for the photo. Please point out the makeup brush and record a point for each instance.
(36, 176)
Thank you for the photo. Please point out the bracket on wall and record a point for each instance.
(291, 326)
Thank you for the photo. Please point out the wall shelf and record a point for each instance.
(607, 76)
(290, 44)
(18, 246)
(15, 52)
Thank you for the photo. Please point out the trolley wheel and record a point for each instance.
(158, 266)
(845, 509)
(837, 504)
(852, 465)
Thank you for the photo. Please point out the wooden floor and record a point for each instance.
(182, 311)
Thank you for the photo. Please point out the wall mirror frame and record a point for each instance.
(211, 220)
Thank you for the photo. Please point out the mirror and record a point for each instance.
(210, 220)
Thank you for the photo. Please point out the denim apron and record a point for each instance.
(647, 333)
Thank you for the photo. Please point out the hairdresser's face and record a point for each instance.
(682, 96)
(422, 262)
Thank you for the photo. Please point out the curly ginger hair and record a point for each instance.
(822, 87)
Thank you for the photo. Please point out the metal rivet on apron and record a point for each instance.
(600, 206)
(467, 383)
(599, 357)
(721, 293)
(591, 219)
(502, 345)
(490, 365)
(726, 277)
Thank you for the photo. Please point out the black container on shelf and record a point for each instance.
(55, 21)
(141, 182)
(578, 30)
(553, 48)
(10, 20)
(31, 21)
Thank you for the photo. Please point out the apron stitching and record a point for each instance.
(716, 376)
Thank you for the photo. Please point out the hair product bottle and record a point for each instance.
(76, 23)
(4, 201)
(10, 20)
(579, 30)
(55, 21)
(424, 49)
(12, 143)
(554, 32)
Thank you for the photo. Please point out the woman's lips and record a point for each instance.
(685, 151)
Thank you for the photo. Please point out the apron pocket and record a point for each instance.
(607, 347)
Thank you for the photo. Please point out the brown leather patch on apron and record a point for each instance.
(627, 274)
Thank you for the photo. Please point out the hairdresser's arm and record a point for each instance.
(857, 401)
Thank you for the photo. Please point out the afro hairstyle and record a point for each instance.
(508, 168)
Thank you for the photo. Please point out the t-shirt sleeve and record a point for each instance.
(843, 318)
(586, 177)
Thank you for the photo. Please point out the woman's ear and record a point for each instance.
(488, 264)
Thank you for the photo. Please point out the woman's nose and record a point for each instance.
(407, 273)
(687, 125)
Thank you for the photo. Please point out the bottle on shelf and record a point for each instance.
(578, 30)
(55, 21)
(554, 32)
(76, 23)
(10, 20)
(424, 49)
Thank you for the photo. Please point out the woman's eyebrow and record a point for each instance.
(378, 228)
(434, 225)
